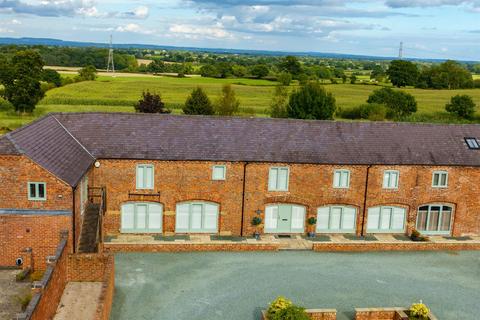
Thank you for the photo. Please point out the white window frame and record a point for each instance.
(440, 174)
(276, 171)
(388, 184)
(340, 172)
(440, 216)
(147, 229)
(144, 186)
(36, 197)
(203, 229)
(381, 217)
(216, 167)
(322, 229)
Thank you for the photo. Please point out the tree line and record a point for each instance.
(447, 75)
(25, 80)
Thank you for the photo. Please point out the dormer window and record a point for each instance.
(472, 143)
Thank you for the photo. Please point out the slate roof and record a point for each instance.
(50, 145)
(170, 137)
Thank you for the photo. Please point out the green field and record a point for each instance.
(119, 94)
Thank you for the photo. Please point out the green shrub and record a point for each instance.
(399, 104)
(312, 221)
(291, 313)
(277, 306)
(461, 105)
(24, 299)
(256, 221)
(369, 111)
(419, 311)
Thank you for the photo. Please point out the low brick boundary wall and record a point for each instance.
(46, 294)
(314, 314)
(64, 268)
(382, 246)
(384, 314)
(189, 247)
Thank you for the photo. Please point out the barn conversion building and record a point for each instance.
(166, 174)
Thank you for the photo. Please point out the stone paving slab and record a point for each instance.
(79, 301)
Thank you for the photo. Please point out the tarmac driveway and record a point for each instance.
(236, 286)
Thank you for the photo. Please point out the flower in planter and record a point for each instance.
(419, 311)
(312, 221)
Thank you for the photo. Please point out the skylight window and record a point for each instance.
(472, 143)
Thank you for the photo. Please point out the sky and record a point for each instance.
(428, 28)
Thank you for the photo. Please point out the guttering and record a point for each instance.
(243, 195)
(365, 196)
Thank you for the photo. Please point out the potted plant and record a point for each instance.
(417, 236)
(312, 221)
(256, 221)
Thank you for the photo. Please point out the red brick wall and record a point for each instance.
(41, 233)
(398, 246)
(53, 289)
(309, 185)
(312, 186)
(176, 182)
(87, 267)
(16, 172)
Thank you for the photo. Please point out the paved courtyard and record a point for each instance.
(236, 286)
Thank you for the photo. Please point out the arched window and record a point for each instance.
(284, 218)
(386, 219)
(336, 219)
(141, 217)
(197, 217)
(435, 219)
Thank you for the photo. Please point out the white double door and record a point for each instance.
(284, 218)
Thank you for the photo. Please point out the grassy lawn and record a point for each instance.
(109, 94)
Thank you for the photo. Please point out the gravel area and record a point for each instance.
(9, 291)
(236, 286)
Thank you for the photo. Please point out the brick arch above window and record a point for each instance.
(287, 199)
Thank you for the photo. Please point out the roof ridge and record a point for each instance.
(14, 144)
(71, 135)
(216, 117)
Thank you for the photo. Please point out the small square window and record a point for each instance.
(278, 179)
(390, 179)
(37, 191)
(219, 173)
(440, 179)
(472, 143)
(341, 179)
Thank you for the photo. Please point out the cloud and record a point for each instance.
(50, 8)
(430, 3)
(200, 32)
(134, 28)
(141, 12)
(67, 8)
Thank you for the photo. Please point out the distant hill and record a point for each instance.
(62, 43)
